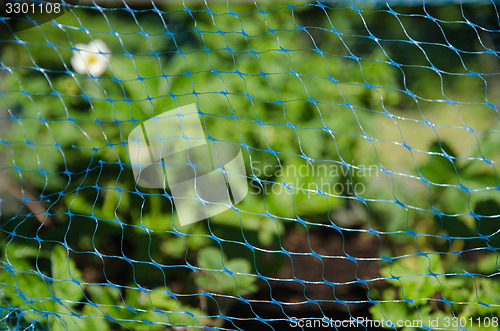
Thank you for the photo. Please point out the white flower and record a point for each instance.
(91, 58)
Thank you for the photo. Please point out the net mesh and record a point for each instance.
(369, 133)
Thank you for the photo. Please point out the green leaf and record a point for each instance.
(66, 276)
(221, 281)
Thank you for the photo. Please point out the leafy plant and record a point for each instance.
(422, 290)
(293, 86)
(222, 275)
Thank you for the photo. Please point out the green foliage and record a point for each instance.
(265, 78)
(57, 293)
(222, 275)
(419, 286)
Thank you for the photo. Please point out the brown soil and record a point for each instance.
(311, 287)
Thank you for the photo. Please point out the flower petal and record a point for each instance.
(100, 46)
(97, 68)
(78, 63)
(82, 47)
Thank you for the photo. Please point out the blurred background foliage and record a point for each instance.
(400, 100)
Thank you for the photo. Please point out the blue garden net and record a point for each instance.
(364, 193)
